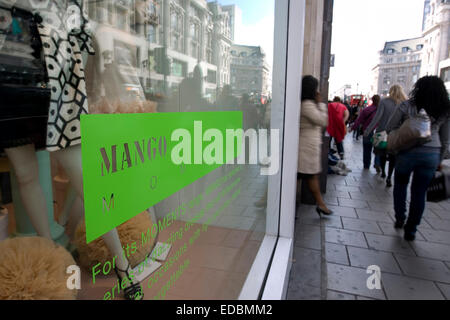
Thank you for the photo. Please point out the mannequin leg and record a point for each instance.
(70, 159)
(25, 164)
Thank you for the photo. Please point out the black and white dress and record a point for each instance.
(65, 37)
(65, 41)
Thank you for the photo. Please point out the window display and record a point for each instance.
(65, 61)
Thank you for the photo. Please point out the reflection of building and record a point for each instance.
(221, 43)
(436, 33)
(194, 32)
(399, 63)
(249, 71)
(235, 14)
(344, 92)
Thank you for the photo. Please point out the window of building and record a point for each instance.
(402, 70)
(178, 68)
(194, 34)
(405, 49)
(176, 30)
(151, 33)
(419, 47)
(445, 74)
(212, 76)
(209, 51)
(401, 79)
(389, 60)
(390, 51)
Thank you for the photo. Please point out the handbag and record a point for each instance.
(439, 189)
(379, 140)
(414, 131)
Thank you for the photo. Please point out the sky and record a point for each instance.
(360, 29)
(257, 24)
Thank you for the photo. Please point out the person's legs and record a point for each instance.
(383, 160)
(367, 152)
(25, 163)
(340, 149)
(405, 166)
(423, 174)
(70, 159)
(392, 161)
(314, 187)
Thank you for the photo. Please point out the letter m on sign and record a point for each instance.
(111, 203)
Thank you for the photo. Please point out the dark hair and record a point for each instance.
(376, 100)
(309, 88)
(337, 99)
(429, 93)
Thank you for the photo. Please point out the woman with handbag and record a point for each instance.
(313, 121)
(384, 112)
(420, 156)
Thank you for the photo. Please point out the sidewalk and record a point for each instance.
(331, 255)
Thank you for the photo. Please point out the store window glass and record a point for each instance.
(62, 60)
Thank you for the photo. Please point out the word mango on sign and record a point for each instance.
(128, 160)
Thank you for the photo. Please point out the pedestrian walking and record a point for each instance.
(429, 94)
(365, 118)
(385, 110)
(337, 128)
(313, 119)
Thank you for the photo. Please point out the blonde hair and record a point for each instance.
(397, 94)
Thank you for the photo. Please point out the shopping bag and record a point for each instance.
(439, 189)
(379, 140)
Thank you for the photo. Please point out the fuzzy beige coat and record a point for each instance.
(313, 120)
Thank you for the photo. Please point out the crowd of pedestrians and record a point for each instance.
(379, 123)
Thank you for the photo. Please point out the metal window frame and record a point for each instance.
(269, 275)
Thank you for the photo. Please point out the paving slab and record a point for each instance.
(407, 288)
(389, 244)
(432, 250)
(364, 258)
(361, 225)
(334, 295)
(307, 236)
(374, 215)
(389, 230)
(423, 268)
(306, 267)
(350, 280)
(336, 253)
(345, 237)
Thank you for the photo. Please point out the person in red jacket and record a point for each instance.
(338, 115)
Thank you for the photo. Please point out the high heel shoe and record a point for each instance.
(134, 291)
(320, 212)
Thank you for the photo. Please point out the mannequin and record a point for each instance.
(65, 145)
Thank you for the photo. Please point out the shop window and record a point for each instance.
(221, 218)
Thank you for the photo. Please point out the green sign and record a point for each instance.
(133, 161)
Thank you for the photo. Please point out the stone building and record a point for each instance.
(400, 63)
(249, 72)
(436, 33)
(169, 39)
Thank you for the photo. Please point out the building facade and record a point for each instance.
(249, 71)
(436, 33)
(169, 38)
(400, 63)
